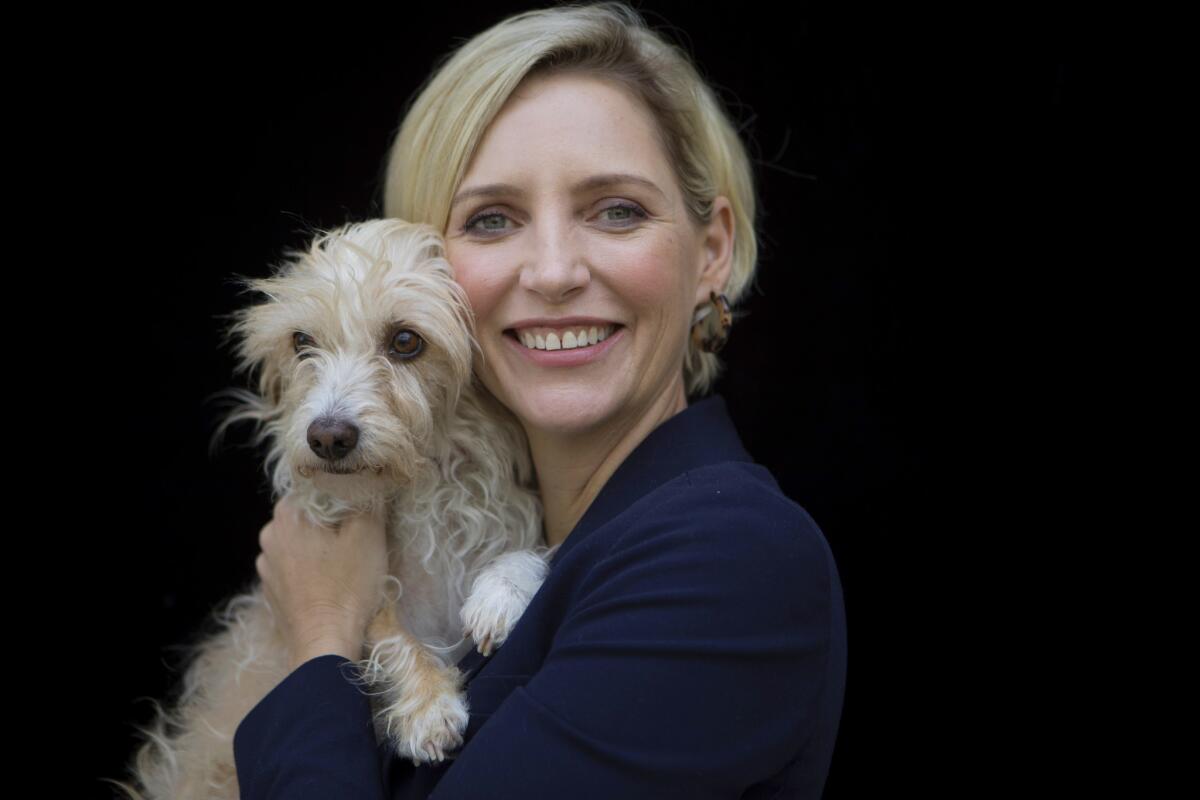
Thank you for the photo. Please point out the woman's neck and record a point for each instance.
(572, 469)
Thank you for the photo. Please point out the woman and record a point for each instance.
(689, 640)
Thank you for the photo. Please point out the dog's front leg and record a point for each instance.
(499, 596)
(421, 708)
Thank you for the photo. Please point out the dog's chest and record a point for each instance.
(430, 605)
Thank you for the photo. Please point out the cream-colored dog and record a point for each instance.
(364, 353)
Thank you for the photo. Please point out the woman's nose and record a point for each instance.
(556, 266)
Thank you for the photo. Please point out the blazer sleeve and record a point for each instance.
(310, 738)
(691, 663)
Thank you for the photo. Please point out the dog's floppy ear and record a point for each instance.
(270, 382)
(254, 332)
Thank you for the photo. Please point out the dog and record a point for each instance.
(364, 353)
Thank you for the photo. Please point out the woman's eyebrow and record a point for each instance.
(587, 184)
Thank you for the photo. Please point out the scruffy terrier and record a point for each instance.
(364, 353)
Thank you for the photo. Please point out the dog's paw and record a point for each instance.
(487, 623)
(432, 730)
(499, 597)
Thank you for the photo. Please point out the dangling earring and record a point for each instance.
(711, 323)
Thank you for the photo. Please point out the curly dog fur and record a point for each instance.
(364, 352)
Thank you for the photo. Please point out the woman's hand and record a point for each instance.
(324, 585)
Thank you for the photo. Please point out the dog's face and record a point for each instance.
(363, 348)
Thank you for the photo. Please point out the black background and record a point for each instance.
(913, 175)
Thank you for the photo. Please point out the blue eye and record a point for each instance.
(480, 217)
(635, 212)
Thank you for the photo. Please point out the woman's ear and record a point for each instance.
(716, 251)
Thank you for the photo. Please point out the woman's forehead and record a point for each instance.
(576, 127)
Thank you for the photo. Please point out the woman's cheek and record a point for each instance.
(654, 279)
(482, 288)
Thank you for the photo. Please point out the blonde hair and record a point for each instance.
(448, 116)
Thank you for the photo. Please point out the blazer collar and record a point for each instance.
(699, 435)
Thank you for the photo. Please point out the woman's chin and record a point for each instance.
(563, 412)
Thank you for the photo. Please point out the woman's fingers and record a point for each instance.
(364, 521)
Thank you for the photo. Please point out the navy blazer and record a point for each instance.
(689, 641)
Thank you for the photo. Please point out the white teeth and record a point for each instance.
(569, 340)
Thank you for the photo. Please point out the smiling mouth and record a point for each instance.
(569, 341)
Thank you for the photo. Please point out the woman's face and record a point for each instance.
(557, 250)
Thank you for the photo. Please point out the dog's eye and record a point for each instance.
(300, 340)
(407, 344)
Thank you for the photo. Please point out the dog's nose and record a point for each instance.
(332, 438)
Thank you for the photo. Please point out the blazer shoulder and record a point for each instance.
(747, 495)
(732, 513)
